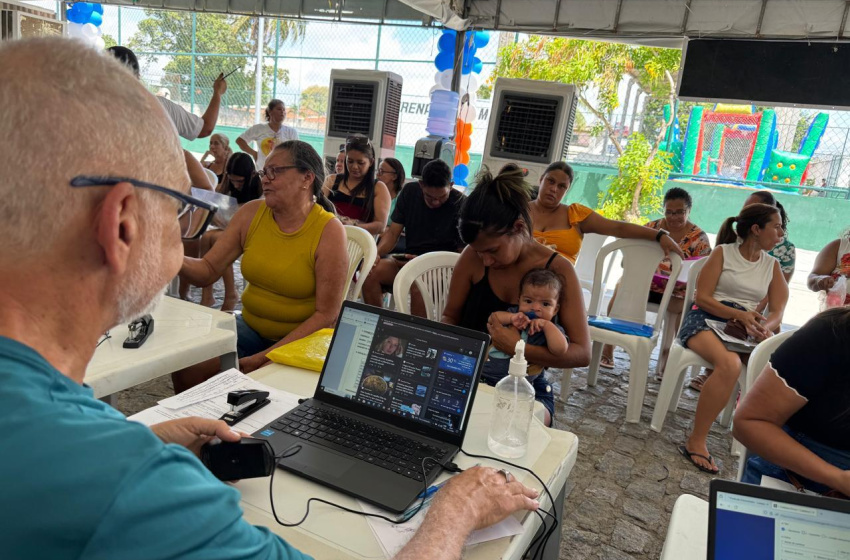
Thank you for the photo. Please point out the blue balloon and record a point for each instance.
(76, 16)
(461, 183)
(446, 43)
(444, 61)
(96, 19)
(98, 8)
(477, 65)
(85, 8)
(482, 38)
(461, 173)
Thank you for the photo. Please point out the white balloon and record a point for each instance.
(99, 32)
(470, 82)
(444, 78)
(100, 43)
(435, 87)
(89, 30)
(468, 113)
(75, 30)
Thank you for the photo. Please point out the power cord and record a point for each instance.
(547, 532)
(294, 449)
(540, 540)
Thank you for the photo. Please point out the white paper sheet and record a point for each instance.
(220, 384)
(392, 538)
(215, 406)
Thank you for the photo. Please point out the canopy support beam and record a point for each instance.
(844, 19)
(685, 18)
(761, 17)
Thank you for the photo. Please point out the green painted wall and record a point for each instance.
(814, 221)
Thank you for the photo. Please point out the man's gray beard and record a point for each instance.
(132, 300)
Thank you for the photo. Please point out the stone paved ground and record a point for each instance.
(626, 478)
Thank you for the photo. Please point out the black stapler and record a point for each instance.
(140, 330)
(244, 403)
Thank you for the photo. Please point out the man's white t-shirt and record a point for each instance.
(188, 125)
(267, 139)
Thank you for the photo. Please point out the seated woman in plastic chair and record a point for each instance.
(694, 243)
(293, 257)
(737, 276)
(795, 420)
(832, 262)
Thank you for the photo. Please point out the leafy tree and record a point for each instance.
(215, 35)
(617, 203)
(109, 41)
(595, 67)
(314, 99)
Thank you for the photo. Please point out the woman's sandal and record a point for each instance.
(697, 382)
(690, 457)
(606, 362)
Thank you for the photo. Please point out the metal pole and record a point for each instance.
(630, 85)
(192, 82)
(456, 71)
(119, 26)
(378, 47)
(258, 75)
(276, 58)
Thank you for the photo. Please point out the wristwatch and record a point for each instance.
(660, 234)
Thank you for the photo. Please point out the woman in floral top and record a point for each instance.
(832, 261)
(694, 244)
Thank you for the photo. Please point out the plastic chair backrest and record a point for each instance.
(691, 288)
(586, 261)
(361, 249)
(212, 177)
(640, 261)
(432, 273)
(762, 353)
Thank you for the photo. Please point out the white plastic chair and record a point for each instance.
(212, 177)
(361, 249)
(640, 260)
(680, 360)
(758, 360)
(432, 273)
(586, 260)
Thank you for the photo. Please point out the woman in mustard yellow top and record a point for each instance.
(294, 260)
(562, 227)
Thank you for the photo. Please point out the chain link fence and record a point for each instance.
(181, 53)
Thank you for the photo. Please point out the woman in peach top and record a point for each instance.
(562, 227)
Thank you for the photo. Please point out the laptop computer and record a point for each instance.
(394, 390)
(753, 522)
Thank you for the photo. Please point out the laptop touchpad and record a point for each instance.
(314, 460)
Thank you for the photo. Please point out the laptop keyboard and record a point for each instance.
(360, 440)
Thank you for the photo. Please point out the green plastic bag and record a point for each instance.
(306, 353)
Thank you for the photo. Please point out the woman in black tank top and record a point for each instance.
(495, 223)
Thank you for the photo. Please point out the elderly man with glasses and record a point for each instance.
(80, 480)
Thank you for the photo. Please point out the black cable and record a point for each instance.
(547, 532)
(405, 517)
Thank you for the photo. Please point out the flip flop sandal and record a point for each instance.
(697, 382)
(606, 363)
(690, 457)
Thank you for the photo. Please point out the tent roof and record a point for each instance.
(651, 22)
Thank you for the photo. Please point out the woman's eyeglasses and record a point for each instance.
(674, 213)
(193, 214)
(272, 171)
(384, 172)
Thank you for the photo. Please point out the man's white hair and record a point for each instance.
(67, 109)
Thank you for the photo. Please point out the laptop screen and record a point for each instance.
(771, 528)
(404, 367)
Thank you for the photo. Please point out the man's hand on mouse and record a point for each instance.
(192, 433)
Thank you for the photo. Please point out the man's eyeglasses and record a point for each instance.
(271, 172)
(193, 215)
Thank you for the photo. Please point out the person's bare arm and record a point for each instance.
(556, 342)
(210, 116)
(389, 239)
(462, 278)
(595, 223)
(777, 298)
(229, 245)
(197, 175)
(477, 498)
(504, 318)
(820, 278)
(571, 315)
(245, 147)
(758, 425)
(381, 210)
(331, 273)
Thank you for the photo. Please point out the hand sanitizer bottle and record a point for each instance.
(512, 409)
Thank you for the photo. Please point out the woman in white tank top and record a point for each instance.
(737, 276)
(832, 261)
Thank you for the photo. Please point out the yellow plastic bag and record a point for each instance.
(306, 353)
